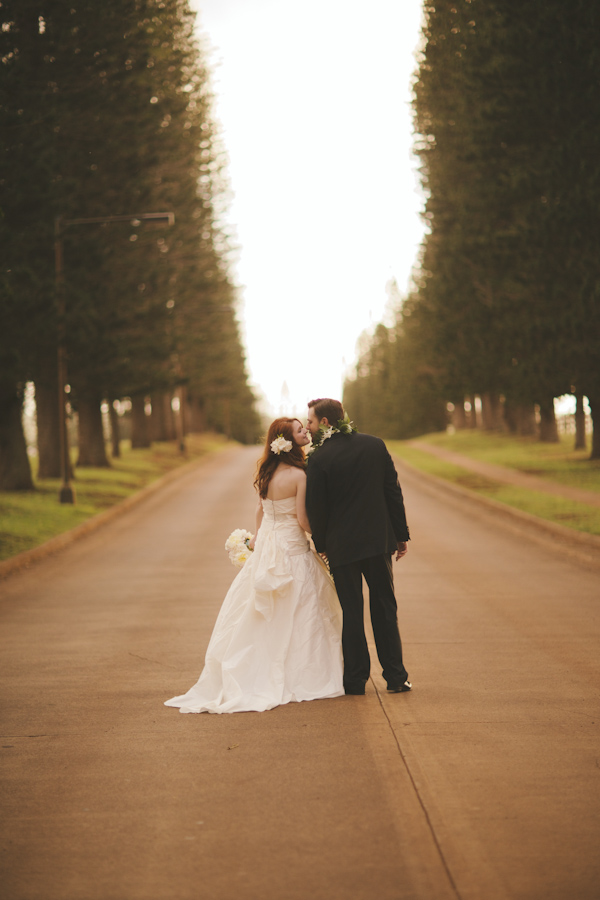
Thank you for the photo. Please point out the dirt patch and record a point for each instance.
(565, 517)
(478, 483)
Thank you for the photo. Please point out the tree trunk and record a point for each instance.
(510, 417)
(526, 424)
(548, 428)
(594, 401)
(580, 441)
(48, 425)
(459, 415)
(92, 449)
(520, 419)
(183, 408)
(491, 412)
(15, 471)
(196, 415)
(227, 417)
(140, 436)
(163, 425)
(178, 420)
(472, 423)
(115, 432)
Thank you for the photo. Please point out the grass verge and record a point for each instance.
(556, 462)
(29, 518)
(553, 462)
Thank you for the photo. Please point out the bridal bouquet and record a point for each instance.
(237, 546)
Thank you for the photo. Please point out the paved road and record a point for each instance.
(481, 784)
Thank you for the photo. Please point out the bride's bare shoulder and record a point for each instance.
(285, 482)
(289, 473)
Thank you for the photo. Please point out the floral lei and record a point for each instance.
(344, 426)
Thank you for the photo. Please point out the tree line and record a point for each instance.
(504, 302)
(105, 111)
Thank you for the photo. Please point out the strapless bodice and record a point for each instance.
(280, 510)
(281, 523)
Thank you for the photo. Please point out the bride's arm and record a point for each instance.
(259, 518)
(301, 502)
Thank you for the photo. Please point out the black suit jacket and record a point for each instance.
(353, 499)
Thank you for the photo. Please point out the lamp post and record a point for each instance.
(67, 494)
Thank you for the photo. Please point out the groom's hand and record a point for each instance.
(402, 550)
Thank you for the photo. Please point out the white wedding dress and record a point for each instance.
(277, 638)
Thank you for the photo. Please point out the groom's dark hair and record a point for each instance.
(326, 408)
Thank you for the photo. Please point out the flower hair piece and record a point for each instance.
(281, 445)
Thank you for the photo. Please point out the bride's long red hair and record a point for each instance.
(269, 461)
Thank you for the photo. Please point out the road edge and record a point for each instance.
(27, 558)
(585, 547)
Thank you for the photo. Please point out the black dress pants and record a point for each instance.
(357, 663)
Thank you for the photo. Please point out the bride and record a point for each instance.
(277, 638)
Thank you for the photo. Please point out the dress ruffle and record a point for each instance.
(273, 573)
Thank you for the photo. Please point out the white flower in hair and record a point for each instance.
(281, 445)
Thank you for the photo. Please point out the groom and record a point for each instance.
(356, 511)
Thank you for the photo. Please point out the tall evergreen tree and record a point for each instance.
(105, 111)
(507, 291)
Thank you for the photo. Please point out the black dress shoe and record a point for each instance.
(399, 688)
(358, 691)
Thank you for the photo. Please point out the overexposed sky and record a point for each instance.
(313, 100)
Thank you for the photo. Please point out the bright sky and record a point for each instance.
(314, 105)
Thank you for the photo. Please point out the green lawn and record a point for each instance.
(553, 462)
(28, 518)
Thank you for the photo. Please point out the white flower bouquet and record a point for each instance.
(237, 546)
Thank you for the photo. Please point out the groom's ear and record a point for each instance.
(324, 421)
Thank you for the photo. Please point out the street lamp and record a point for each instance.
(67, 495)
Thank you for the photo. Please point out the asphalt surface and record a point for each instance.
(481, 784)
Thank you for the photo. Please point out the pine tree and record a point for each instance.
(106, 111)
(503, 105)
